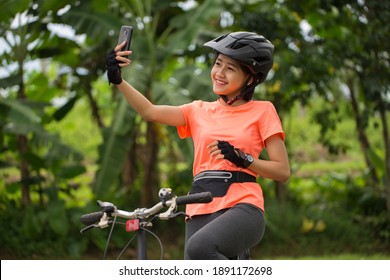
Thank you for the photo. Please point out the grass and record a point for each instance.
(323, 167)
(337, 257)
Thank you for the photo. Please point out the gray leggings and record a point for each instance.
(224, 234)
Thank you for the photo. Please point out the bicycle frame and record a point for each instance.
(141, 245)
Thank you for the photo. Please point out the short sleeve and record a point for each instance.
(184, 131)
(271, 123)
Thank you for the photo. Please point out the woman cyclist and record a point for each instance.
(228, 136)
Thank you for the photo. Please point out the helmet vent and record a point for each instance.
(237, 45)
(220, 38)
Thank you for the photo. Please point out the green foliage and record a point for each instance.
(115, 145)
(40, 231)
(327, 215)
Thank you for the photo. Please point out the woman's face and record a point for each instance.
(227, 76)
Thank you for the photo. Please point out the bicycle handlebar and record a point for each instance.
(203, 197)
(97, 219)
(140, 218)
(91, 218)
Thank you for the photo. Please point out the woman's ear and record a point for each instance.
(255, 79)
(249, 80)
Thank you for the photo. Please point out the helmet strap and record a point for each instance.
(231, 101)
(237, 97)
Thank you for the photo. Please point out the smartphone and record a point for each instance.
(125, 35)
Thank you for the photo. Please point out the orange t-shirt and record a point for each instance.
(245, 127)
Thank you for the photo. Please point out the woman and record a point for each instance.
(228, 135)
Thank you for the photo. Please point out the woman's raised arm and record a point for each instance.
(170, 115)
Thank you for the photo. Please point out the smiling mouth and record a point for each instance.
(219, 82)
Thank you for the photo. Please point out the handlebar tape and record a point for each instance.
(203, 197)
(91, 218)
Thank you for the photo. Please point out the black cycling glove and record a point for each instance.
(232, 154)
(113, 68)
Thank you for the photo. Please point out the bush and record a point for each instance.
(325, 215)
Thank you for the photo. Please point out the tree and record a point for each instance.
(28, 107)
(353, 36)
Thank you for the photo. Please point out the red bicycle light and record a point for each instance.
(132, 225)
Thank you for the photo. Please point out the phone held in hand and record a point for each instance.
(125, 35)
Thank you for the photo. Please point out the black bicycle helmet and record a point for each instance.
(252, 49)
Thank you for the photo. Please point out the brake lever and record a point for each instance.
(88, 228)
(167, 214)
(104, 222)
(174, 215)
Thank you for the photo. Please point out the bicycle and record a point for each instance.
(139, 219)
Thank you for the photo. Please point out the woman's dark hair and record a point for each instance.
(248, 90)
